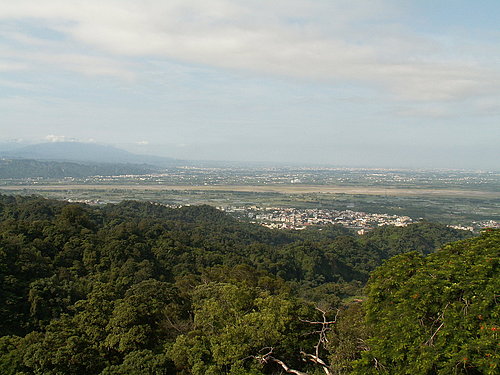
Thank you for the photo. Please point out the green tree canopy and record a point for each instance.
(436, 315)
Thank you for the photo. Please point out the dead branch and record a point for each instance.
(318, 361)
(322, 340)
(325, 326)
(431, 339)
(267, 357)
(440, 318)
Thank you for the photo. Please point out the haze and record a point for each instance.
(354, 83)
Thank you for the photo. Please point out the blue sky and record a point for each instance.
(353, 83)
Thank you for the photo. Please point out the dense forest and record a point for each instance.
(140, 288)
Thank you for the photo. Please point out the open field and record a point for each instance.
(461, 203)
(282, 189)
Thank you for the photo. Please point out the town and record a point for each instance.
(298, 219)
(293, 218)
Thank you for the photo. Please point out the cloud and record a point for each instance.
(59, 138)
(6, 66)
(77, 62)
(336, 42)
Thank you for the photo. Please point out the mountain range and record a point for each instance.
(83, 152)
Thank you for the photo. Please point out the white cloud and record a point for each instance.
(7, 66)
(319, 40)
(86, 64)
(59, 138)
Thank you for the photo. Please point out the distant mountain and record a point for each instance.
(9, 146)
(85, 152)
(28, 168)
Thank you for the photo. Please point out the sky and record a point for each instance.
(375, 83)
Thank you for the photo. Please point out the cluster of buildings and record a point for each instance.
(487, 224)
(293, 218)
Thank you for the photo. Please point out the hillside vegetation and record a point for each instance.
(139, 288)
(27, 168)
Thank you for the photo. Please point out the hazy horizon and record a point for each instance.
(11, 150)
(384, 83)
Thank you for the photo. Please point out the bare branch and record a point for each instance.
(312, 322)
(315, 358)
(318, 361)
(440, 318)
(431, 339)
(285, 367)
(267, 357)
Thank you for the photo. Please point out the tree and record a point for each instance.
(231, 324)
(347, 338)
(436, 315)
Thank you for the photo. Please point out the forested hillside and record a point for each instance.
(139, 288)
(27, 168)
